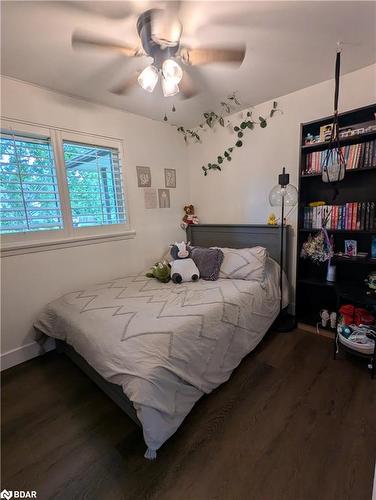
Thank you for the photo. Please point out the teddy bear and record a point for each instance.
(161, 271)
(189, 217)
(182, 267)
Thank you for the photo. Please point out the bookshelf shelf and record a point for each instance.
(313, 292)
(354, 139)
(344, 231)
(349, 171)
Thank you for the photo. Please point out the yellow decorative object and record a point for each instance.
(316, 203)
(272, 220)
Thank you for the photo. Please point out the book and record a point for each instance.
(372, 215)
(353, 219)
(353, 216)
(363, 216)
(366, 226)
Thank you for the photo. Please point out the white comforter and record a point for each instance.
(165, 344)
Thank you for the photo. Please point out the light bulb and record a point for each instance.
(148, 78)
(289, 194)
(172, 71)
(169, 87)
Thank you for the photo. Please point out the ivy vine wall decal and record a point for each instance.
(211, 119)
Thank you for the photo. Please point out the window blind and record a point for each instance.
(29, 195)
(95, 184)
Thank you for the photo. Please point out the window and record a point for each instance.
(29, 198)
(95, 185)
(59, 186)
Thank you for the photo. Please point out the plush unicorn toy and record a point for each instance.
(182, 267)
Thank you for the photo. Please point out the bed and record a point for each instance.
(156, 348)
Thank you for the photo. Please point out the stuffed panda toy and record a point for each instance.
(182, 267)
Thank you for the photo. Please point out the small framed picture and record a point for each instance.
(170, 177)
(164, 198)
(150, 198)
(351, 248)
(373, 247)
(143, 177)
(325, 132)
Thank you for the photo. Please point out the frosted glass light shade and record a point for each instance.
(289, 193)
(169, 87)
(172, 71)
(148, 78)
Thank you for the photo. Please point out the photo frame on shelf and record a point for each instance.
(351, 248)
(373, 247)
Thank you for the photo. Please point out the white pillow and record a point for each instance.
(243, 263)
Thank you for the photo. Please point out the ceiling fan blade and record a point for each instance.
(108, 9)
(186, 86)
(87, 40)
(201, 56)
(125, 86)
(166, 27)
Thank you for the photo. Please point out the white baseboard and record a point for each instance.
(24, 353)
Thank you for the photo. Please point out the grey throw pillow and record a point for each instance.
(208, 261)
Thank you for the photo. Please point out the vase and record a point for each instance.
(331, 273)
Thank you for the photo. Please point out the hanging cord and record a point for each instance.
(334, 152)
(287, 215)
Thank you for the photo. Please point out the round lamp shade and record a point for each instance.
(289, 193)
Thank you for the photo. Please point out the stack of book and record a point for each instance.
(361, 155)
(355, 216)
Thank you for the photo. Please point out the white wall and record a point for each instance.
(30, 281)
(239, 194)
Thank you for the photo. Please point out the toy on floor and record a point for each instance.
(324, 315)
(333, 319)
(161, 271)
(182, 267)
(355, 315)
(189, 217)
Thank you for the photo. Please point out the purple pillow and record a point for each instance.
(208, 261)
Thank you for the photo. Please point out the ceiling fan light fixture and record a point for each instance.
(172, 71)
(169, 87)
(166, 28)
(148, 78)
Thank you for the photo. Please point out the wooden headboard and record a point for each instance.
(240, 236)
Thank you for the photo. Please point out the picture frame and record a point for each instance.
(164, 198)
(170, 177)
(143, 176)
(326, 132)
(351, 248)
(373, 247)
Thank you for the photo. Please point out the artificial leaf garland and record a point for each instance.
(211, 119)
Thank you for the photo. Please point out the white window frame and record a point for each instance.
(35, 241)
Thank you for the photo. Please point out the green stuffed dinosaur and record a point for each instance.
(160, 271)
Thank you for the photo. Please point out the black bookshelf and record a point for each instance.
(313, 292)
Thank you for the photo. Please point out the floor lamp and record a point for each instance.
(283, 195)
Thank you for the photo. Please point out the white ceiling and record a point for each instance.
(290, 45)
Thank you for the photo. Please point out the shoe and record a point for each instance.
(324, 315)
(333, 320)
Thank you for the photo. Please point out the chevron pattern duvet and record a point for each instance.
(165, 344)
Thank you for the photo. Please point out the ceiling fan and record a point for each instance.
(160, 31)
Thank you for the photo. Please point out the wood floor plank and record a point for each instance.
(291, 423)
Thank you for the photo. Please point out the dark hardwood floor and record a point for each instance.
(290, 424)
